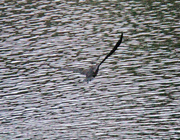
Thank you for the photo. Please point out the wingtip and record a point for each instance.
(121, 37)
(122, 34)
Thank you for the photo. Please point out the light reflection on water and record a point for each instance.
(134, 96)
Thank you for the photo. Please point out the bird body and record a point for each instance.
(91, 73)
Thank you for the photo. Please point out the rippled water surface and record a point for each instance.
(136, 94)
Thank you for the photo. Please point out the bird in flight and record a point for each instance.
(92, 72)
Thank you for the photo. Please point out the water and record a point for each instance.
(136, 93)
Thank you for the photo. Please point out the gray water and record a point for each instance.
(136, 93)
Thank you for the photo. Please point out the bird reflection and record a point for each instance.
(92, 72)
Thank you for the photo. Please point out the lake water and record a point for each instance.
(136, 94)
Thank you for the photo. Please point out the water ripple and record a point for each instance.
(136, 92)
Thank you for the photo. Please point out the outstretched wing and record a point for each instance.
(110, 53)
(75, 70)
(113, 50)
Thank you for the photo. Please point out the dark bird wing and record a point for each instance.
(111, 52)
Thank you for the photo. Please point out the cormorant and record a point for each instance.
(92, 72)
